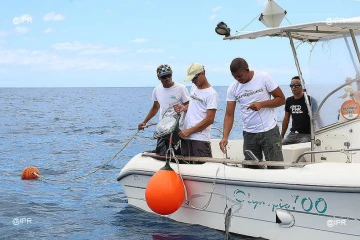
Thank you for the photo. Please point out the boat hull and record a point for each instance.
(321, 210)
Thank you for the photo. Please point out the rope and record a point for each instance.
(257, 16)
(288, 20)
(97, 169)
(187, 202)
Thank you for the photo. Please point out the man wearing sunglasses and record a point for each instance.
(165, 96)
(200, 114)
(295, 107)
(258, 95)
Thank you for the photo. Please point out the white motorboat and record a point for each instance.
(315, 196)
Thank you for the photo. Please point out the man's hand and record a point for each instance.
(179, 108)
(256, 106)
(141, 126)
(184, 133)
(223, 143)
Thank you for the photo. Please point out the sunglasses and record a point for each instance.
(295, 85)
(195, 78)
(165, 77)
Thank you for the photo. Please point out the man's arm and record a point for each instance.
(314, 107)
(207, 121)
(153, 111)
(228, 123)
(278, 100)
(285, 124)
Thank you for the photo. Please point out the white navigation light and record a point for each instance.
(273, 14)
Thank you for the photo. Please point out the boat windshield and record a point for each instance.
(330, 77)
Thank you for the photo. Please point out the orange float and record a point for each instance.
(165, 192)
(28, 173)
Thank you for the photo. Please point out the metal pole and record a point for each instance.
(305, 94)
(351, 55)
(355, 44)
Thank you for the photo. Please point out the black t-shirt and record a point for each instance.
(299, 113)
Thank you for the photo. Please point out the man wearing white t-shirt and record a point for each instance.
(165, 96)
(200, 114)
(253, 91)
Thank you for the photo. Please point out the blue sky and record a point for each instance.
(92, 43)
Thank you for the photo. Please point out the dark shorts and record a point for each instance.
(163, 145)
(294, 137)
(195, 148)
(268, 143)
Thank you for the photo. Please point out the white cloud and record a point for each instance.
(48, 60)
(75, 46)
(104, 51)
(87, 48)
(108, 11)
(53, 17)
(171, 57)
(217, 9)
(151, 50)
(49, 30)
(139, 40)
(212, 16)
(21, 30)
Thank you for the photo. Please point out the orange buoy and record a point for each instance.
(28, 173)
(165, 192)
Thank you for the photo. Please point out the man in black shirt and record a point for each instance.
(295, 107)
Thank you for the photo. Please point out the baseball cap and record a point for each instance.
(163, 69)
(193, 70)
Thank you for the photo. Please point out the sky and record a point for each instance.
(118, 43)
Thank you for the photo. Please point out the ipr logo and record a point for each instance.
(336, 222)
(18, 221)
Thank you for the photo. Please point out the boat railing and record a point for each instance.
(331, 93)
(346, 151)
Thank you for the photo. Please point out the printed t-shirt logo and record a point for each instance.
(248, 93)
(296, 109)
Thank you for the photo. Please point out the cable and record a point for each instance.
(97, 169)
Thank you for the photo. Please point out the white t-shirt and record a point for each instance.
(256, 90)
(201, 100)
(168, 97)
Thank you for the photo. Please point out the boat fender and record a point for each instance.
(165, 192)
(284, 218)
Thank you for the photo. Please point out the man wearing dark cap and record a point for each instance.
(165, 96)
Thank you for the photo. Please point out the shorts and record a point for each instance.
(195, 148)
(294, 137)
(268, 142)
(162, 145)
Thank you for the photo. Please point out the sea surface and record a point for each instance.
(69, 132)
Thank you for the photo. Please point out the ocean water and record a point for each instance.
(69, 132)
